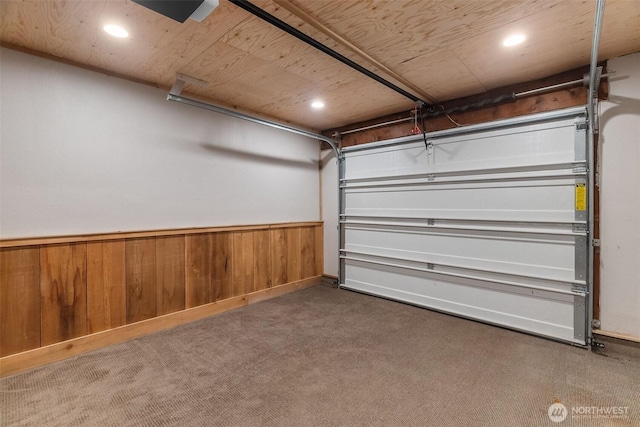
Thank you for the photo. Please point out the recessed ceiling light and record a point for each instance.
(513, 40)
(317, 105)
(116, 31)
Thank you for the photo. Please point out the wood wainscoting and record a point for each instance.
(61, 296)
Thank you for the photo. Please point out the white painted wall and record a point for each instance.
(330, 211)
(620, 199)
(81, 152)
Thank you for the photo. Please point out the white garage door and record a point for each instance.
(488, 222)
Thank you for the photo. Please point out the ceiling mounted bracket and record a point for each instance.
(181, 10)
(181, 80)
(594, 98)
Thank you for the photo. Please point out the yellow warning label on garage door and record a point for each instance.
(581, 196)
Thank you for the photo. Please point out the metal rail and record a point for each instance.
(592, 111)
(237, 114)
(265, 16)
(597, 30)
(377, 125)
(583, 81)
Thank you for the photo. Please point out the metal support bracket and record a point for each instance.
(430, 152)
(580, 138)
(181, 80)
(594, 100)
(596, 121)
(579, 318)
(578, 228)
(579, 289)
(581, 261)
(579, 169)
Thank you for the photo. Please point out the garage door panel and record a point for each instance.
(535, 312)
(522, 148)
(513, 281)
(547, 256)
(504, 175)
(469, 225)
(487, 222)
(552, 201)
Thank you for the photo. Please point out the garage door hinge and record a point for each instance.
(581, 126)
(579, 289)
(579, 169)
(595, 243)
(579, 228)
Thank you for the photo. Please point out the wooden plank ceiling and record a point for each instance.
(447, 49)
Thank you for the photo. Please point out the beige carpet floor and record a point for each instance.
(326, 357)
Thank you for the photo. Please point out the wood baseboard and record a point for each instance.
(616, 335)
(19, 362)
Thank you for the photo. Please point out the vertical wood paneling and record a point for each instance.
(106, 292)
(319, 250)
(56, 292)
(19, 300)
(170, 270)
(307, 252)
(261, 260)
(221, 280)
(278, 256)
(198, 271)
(140, 260)
(242, 268)
(294, 255)
(63, 282)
